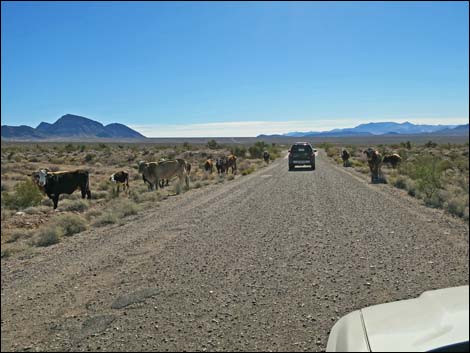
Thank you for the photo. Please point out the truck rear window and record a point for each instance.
(305, 148)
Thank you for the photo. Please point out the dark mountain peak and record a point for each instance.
(116, 129)
(71, 126)
(75, 119)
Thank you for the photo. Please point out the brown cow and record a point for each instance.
(231, 163)
(374, 159)
(393, 159)
(209, 166)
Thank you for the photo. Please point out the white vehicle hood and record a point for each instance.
(435, 319)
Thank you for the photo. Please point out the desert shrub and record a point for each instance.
(239, 151)
(37, 209)
(105, 219)
(212, 144)
(457, 205)
(79, 205)
(197, 185)
(74, 196)
(70, 224)
(400, 182)
(248, 170)
(430, 144)
(256, 151)
(426, 171)
(25, 194)
(97, 195)
(125, 207)
(47, 236)
(89, 157)
(5, 252)
(93, 213)
(411, 187)
(70, 148)
(18, 234)
(177, 188)
(47, 202)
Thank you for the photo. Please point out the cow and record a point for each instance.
(153, 172)
(231, 163)
(221, 164)
(63, 182)
(345, 157)
(393, 159)
(266, 156)
(121, 177)
(374, 159)
(209, 166)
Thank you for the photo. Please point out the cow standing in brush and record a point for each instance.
(394, 160)
(153, 172)
(53, 184)
(266, 156)
(120, 178)
(345, 157)
(209, 165)
(231, 163)
(374, 159)
(221, 165)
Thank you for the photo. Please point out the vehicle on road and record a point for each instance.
(301, 153)
(436, 321)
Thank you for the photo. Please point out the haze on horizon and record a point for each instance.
(235, 69)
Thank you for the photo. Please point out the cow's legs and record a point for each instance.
(55, 200)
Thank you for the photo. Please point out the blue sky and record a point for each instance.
(235, 69)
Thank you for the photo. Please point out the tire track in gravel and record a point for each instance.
(266, 262)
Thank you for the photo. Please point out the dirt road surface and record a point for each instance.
(266, 262)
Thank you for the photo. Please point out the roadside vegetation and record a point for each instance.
(28, 220)
(438, 174)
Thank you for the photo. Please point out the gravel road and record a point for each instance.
(266, 262)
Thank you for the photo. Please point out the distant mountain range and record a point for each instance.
(385, 128)
(70, 126)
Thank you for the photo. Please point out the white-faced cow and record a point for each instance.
(121, 177)
(63, 182)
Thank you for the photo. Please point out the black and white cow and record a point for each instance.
(121, 177)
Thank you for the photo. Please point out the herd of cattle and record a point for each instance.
(158, 174)
(154, 174)
(375, 161)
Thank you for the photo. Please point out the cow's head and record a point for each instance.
(42, 177)
(370, 153)
(111, 178)
(142, 165)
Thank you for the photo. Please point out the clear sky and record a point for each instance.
(235, 69)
